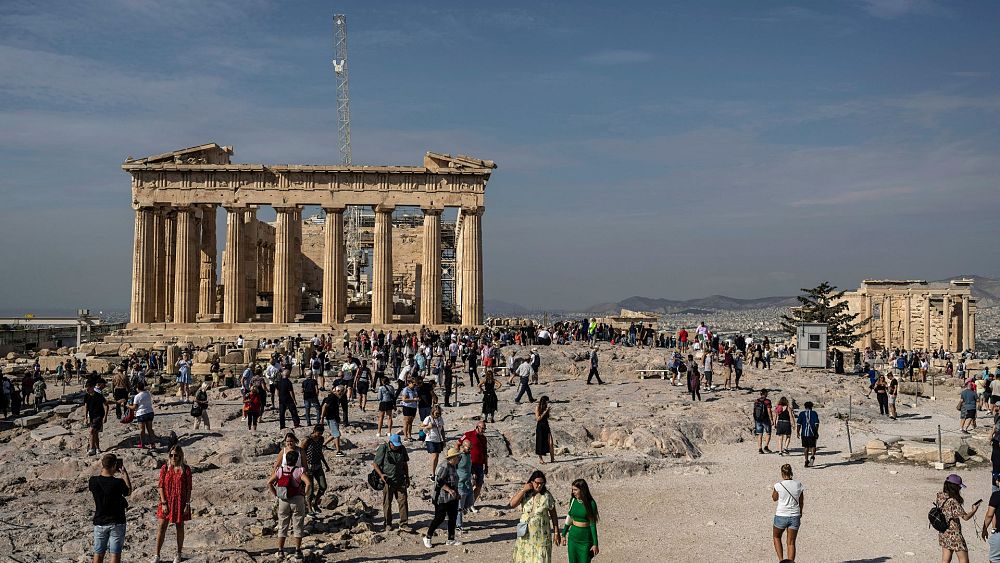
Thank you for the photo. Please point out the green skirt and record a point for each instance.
(578, 544)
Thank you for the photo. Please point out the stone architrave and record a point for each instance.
(233, 277)
(159, 264)
(382, 303)
(430, 296)
(186, 274)
(334, 268)
(169, 262)
(283, 233)
(472, 267)
(208, 251)
(142, 267)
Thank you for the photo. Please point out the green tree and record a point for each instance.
(824, 304)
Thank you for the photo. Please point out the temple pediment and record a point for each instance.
(434, 162)
(209, 153)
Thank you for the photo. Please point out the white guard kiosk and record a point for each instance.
(811, 349)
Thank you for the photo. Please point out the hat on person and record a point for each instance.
(534, 349)
(453, 452)
(395, 440)
(953, 478)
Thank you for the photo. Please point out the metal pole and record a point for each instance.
(933, 386)
(847, 423)
(940, 448)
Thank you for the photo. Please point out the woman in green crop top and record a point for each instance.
(581, 529)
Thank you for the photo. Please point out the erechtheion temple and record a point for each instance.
(916, 314)
(269, 269)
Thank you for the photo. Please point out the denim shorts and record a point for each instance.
(334, 427)
(785, 522)
(109, 538)
(994, 543)
(760, 428)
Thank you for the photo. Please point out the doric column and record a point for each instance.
(430, 278)
(868, 315)
(972, 329)
(206, 277)
(159, 263)
(927, 321)
(233, 277)
(887, 321)
(947, 322)
(141, 310)
(282, 265)
(965, 324)
(297, 264)
(249, 241)
(472, 267)
(169, 262)
(382, 304)
(907, 325)
(186, 269)
(334, 268)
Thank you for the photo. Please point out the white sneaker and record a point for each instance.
(427, 542)
(453, 542)
(178, 558)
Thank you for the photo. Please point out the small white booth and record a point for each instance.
(811, 349)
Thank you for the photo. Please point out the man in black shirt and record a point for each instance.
(286, 400)
(96, 412)
(990, 533)
(310, 397)
(425, 397)
(331, 414)
(109, 508)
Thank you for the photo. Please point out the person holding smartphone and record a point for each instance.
(951, 503)
(110, 503)
(990, 533)
(538, 527)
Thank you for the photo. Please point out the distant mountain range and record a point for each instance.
(495, 307)
(983, 288)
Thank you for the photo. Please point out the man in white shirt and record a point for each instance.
(524, 373)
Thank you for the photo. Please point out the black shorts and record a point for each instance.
(434, 447)
(386, 406)
(809, 441)
(362, 387)
(409, 411)
(97, 424)
(994, 399)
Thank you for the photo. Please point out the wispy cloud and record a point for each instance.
(855, 196)
(891, 9)
(618, 57)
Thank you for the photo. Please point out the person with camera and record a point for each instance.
(950, 501)
(393, 468)
(538, 527)
(174, 488)
(110, 503)
(990, 532)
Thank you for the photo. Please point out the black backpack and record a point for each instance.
(937, 519)
(760, 413)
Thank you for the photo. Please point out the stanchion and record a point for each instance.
(847, 423)
(940, 447)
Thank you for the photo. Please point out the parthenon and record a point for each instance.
(176, 196)
(911, 314)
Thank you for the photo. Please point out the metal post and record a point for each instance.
(940, 448)
(847, 423)
(933, 385)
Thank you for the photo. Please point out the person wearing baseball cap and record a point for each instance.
(950, 502)
(392, 465)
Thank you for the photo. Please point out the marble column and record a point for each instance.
(887, 321)
(334, 268)
(159, 263)
(297, 264)
(249, 243)
(186, 269)
(233, 276)
(207, 282)
(927, 322)
(868, 316)
(972, 330)
(472, 267)
(382, 304)
(965, 324)
(430, 278)
(947, 323)
(169, 262)
(282, 265)
(141, 310)
(907, 325)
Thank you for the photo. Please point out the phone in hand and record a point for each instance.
(978, 502)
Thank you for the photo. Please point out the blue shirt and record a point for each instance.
(808, 422)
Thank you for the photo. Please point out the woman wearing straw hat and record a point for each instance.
(950, 502)
(445, 498)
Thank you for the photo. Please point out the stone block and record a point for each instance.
(63, 411)
(234, 357)
(42, 434)
(927, 452)
(29, 421)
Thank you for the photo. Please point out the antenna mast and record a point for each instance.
(343, 100)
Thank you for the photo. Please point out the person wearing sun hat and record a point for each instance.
(445, 497)
(951, 503)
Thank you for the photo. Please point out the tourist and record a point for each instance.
(433, 426)
(882, 395)
(449, 380)
(524, 373)
(445, 498)
(466, 495)
(291, 486)
(96, 413)
(893, 395)
(490, 400)
(38, 389)
(738, 368)
(392, 465)
(362, 384)
(990, 532)
(386, 405)
(315, 465)
(763, 421)
(286, 401)
(291, 444)
(347, 371)
(184, 376)
(784, 416)
(728, 361)
(426, 397)
(119, 392)
(471, 363)
(967, 406)
(109, 508)
(199, 410)
(174, 487)
(5, 393)
(538, 523)
(593, 367)
(479, 450)
(580, 531)
(330, 412)
(707, 371)
(543, 435)
(808, 430)
(950, 501)
(694, 380)
(253, 406)
(310, 397)
(790, 496)
(409, 400)
(142, 404)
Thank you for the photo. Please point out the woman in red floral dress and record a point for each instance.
(175, 500)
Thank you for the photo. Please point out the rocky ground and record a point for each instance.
(676, 480)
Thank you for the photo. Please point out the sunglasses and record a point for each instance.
(539, 483)
(174, 455)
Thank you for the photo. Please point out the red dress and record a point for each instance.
(176, 487)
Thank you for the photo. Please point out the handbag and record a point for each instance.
(522, 529)
(196, 410)
(375, 481)
(128, 417)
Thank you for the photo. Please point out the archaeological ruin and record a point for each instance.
(294, 272)
(912, 314)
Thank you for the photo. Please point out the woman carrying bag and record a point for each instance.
(538, 528)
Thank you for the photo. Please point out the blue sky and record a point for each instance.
(664, 149)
